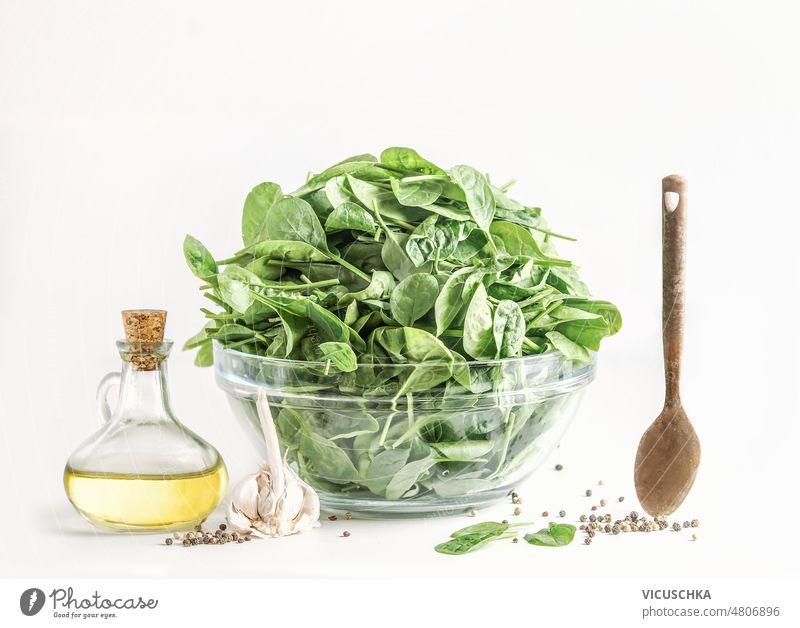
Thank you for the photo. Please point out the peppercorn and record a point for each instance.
(515, 540)
(517, 511)
(346, 533)
(590, 532)
(214, 540)
(676, 526)
(222, 526)
(198, 528)
(594, 507)
(514, 495)
(695, 523)
(168, 541)
(332, 517)
(583, 527)
(516, 500)
(603, 502)
(235, 536)
(588, 492)
(348, 516)
(620, 499)
(559, 467)
(592, 518)
(504, 521)
(694, 537)
(685, 524)
(240, 540)
(608, 527)
(545, 514)
(473, 513)
(615, 529)
(587, 541)
(247, 538)
(582, 518)
(186, 542)
(562, 513)
(634, 515)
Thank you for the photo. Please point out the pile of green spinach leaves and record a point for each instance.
(390, 279)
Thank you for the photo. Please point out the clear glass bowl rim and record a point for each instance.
(540, 358)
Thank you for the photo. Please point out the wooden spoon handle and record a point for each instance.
(673, 212)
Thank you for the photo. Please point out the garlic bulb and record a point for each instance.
(275, 501)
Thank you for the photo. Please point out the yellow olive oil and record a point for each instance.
(146, 503)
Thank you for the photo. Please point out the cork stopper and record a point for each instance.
(144, 330)
(144, 325)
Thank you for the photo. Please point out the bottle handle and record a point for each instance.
(103, 388)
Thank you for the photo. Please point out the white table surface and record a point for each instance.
(735, 498)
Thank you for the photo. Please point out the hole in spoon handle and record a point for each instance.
(674, 202)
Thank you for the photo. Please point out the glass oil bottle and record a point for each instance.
(143, 471)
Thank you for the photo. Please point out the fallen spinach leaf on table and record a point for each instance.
(393, 280)
(555, 535)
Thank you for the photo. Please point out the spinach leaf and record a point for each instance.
(413, 298)
(480, 200)
(509, 328)
(405, 478)
(350, 216)
(408, 159)
(254, 215)
(479, 340)
(340, 354)
(416, 193)
(199, 260)
(555, 535)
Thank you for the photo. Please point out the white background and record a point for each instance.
(125, 125)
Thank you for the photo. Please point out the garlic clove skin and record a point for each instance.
(275, 501)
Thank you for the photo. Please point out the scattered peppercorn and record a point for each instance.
(695, 523)
(620, 499)
(347, 516)
(545, 514)
(583, 526)
(676, 526)
(168, 541)
(346, 533)
(594, 507)
(214, 540)
(559, 467)
(587, 541)
(588, 492)
(186, 542)
(247, 538)
(685, 524)
(222, 526)
(603, 502)
(694, 537)
(608, 527)
(599, 482)
(562, 513)
(505, 521)
(634, 515)
(515, 540)
(473, 513)
(517, 511)
(615, 529)
(332, 517)
(592, 518)
(590, 533)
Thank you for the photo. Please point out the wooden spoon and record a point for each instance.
(669, 452)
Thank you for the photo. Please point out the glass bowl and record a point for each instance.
(392, 440)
